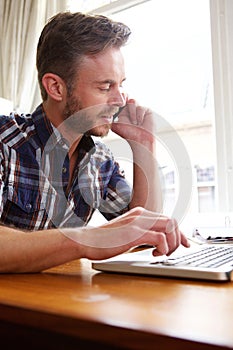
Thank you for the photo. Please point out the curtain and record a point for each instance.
(21, 22)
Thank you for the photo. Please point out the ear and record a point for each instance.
(54, 86)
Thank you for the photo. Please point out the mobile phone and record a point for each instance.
(116, 114)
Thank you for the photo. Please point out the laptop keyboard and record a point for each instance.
(207, 257)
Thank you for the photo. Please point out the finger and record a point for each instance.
(158, 240)
(140, 115)
(161, 247)
(161, 223)
(146, 221)
(136, 113)
(184, 241)
(155, 221)
(132, 111)
(172, 235)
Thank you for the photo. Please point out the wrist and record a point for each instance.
(143, 147)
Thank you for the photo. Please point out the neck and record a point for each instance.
(54, 113)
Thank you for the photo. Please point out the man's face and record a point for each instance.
(98, 93)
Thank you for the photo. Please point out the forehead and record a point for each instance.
(108, 64)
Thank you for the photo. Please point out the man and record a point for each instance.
(53, 175)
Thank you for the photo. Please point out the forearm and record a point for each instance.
(40, 250)
(146, 182)
(34, 251)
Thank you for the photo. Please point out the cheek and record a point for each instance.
(92, 98)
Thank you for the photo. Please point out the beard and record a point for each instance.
(88, 120)
(73, 105)
(99, 131)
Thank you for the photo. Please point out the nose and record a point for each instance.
(118, 97)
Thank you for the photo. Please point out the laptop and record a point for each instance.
(204, 261)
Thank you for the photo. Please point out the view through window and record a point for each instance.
(169, 69)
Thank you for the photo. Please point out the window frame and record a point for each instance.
(221, 14)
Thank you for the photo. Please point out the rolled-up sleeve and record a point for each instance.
(117, 194)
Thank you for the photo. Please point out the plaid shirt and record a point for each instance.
(34, 173)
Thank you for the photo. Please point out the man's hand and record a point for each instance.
(137, 126)
(135, 123)
(136, 227)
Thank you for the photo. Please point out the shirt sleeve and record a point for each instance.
(1, 179)
(117, 195)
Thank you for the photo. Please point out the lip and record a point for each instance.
(107, 120)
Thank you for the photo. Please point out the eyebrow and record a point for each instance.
(107, 81)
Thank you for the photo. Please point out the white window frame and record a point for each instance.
(221, 15)
(116, 6)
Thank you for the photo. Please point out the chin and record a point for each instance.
(100, 131)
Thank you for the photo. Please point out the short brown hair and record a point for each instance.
(67, 37)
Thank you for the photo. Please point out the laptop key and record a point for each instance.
(206, 257)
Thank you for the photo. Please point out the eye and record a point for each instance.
(105, 87)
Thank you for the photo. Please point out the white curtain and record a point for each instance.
(21, 22)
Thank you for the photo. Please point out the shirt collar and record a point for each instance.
(50, 136)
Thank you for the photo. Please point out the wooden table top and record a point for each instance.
(128, 310)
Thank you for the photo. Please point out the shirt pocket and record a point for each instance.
(26, 199)
(25, 208)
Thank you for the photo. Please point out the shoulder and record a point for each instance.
(14, 120)
(15, 127)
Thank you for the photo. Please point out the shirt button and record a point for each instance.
(64, 170)
(28, 206)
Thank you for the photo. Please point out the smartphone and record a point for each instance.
(116, 114)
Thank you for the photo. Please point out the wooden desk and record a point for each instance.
(73, 306)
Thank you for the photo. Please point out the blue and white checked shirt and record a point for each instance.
(34, 173)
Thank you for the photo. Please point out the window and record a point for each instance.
(179, 62)
(169, 69)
